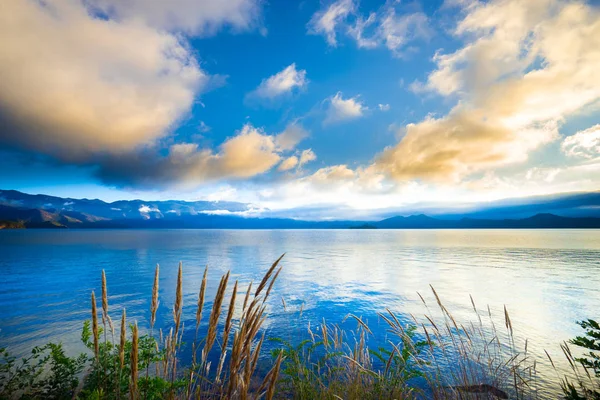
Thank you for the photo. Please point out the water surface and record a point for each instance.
(548, 279)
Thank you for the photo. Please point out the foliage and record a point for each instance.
(329, 366)
(108, 380)
(332, 363)
(46, 373)
(585, 389)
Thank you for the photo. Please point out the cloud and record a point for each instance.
(398, 30)
(92, 84)
(524, 67)
(281, 83)
(288, 163)
(249, 153)
(583, 144)
(144, 209)
(384, 107)
(290, 137)
(188, 16)
(203, 128)
(324, 22)
(382, 28)
(334, 173)
(457, 145)
(306, 156)
(291, 162)
(341, 109)
(111, 80)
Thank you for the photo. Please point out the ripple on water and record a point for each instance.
(546, 278)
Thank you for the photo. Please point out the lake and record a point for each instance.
(547, 279)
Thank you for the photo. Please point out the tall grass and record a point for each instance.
(432, 356)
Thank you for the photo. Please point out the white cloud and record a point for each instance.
(306, 156)
(290, 137)
(382, 28)
(144, 209)
(253, 211)
(341, 109)
(189, 16)
(111, 80)
(324, 22)
(332, 174)
(291, 162)
(384, 107)
(358, 32)
(281, 83)
(453, 147)
(203, 127)
(91, 84)
(288, 163)
(249, 153)
(397, 30)
(524, 68)
(584, 144)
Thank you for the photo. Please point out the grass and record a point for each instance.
(327, 361)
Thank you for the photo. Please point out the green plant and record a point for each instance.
(330, 366)
(46, 373)
(107, 378)
(588, 387)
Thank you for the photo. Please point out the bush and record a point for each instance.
(585, 387)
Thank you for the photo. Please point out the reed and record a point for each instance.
(122, 341)
(105, 317)
(200, 306)
(214, 317)
(95, 327)
(133, 391)
(178, 307)
(334, 361)
(154, 303)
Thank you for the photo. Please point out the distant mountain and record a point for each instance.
(412, 222)
(96, 210)
(563, 204)
(538, 221)
(18, 210)
(42, 211)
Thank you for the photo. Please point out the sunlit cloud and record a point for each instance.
(340, 109)
(324, 22)
(248, 153)
(585, 144)
(283, 82)
(524, 68)
(385, 27)
(192, 17)
(62, 96)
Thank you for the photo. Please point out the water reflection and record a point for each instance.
(547, 279)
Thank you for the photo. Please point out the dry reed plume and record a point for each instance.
(236, 369)
(483, 366)
(133, 392)
(95, 326)
(154, 302)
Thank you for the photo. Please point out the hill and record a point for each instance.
(20, 210)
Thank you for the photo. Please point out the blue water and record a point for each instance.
(548, 279)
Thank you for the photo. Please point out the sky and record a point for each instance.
(312, 108)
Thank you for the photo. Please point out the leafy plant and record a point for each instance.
(46, 373)
(585, 389)
(329, 366)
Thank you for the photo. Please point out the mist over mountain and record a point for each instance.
(21, 210)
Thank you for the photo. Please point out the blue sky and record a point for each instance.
(312, 105)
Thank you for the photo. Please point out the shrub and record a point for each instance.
(585, 387)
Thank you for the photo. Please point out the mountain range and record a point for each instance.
(21, 210)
